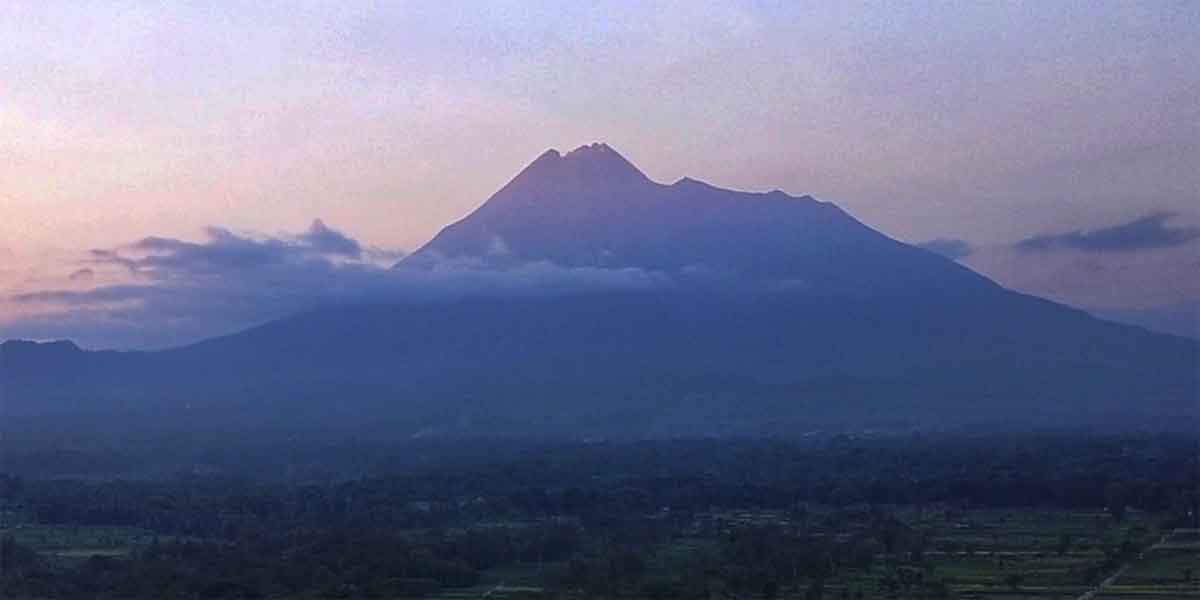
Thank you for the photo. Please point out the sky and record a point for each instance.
(1051, 146)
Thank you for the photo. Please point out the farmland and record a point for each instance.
(986, 554)
(1049, 518)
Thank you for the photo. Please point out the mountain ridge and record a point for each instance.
(568, 210)
(778, 312)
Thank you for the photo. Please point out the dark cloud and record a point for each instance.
(950, 248)
(181, 291)
(1145, 233)
(328, 241)
(101, 256)
(226, 253)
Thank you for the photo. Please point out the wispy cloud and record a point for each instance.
(328, 241)
(161, 290)
(229, 255)
(953, 249)
(173, 291)
(1148, 232)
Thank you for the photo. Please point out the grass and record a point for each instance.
(1168, 572)
(77, 543)
(1013, 554)
(983, 554)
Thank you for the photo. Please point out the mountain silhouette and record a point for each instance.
(592, 208)
(774, 313)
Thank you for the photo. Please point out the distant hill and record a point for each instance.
(765, 313)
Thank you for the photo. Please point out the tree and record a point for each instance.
(1014, 580)
(816, 590)
(1065, 541)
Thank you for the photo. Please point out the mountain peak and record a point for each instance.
(591, 207)
(599, 153)
(593, 149)
(591, 163)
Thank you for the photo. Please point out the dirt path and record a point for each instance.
(1125, 567)
(1103, 584)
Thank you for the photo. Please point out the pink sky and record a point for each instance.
(983, 122)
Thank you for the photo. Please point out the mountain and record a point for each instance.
(591, 208)
(757, 313)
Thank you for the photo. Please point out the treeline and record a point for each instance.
(1155, 473)
(588, 517)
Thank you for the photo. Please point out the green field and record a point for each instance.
(1016, 554)
(1168, 571)
(70, 541)
(984, 554)
(1000, 554)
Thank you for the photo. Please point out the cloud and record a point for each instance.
(953, 249)
(1095, 279)
(161, 291)
(1148, 232)
(174, 291)
(329, 241)
(454, 277)
(227, 254)
(1138, 264)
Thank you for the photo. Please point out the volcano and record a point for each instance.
(764, 313)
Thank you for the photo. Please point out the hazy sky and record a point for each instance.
(981, 123)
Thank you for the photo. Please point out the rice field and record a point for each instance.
(968, 554)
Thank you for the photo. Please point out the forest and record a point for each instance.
(838, 516)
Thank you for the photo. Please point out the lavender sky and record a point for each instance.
(1051, 145)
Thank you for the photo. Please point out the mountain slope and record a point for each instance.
(771, 313)
(592, 208)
